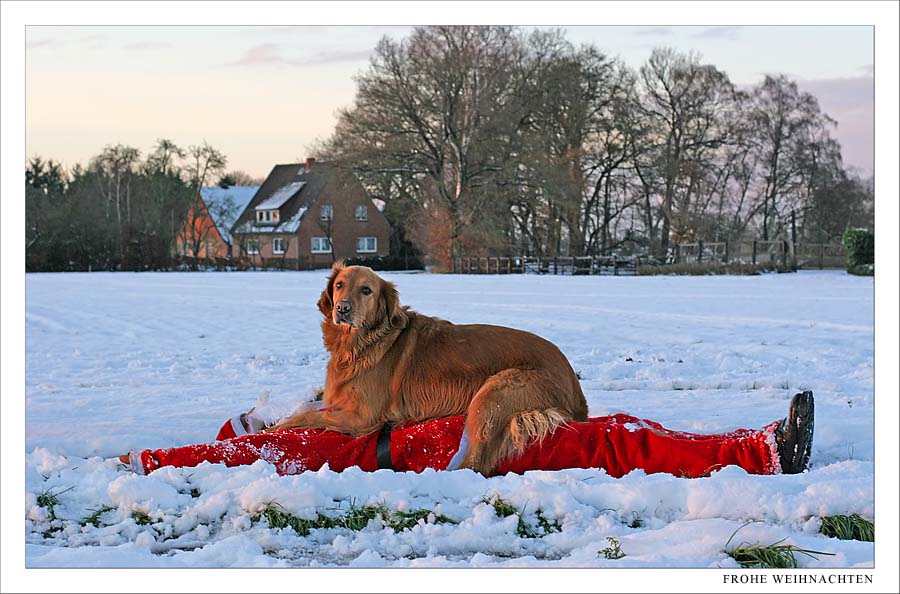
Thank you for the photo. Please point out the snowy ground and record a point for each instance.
(122, 361)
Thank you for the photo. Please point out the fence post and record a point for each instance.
(556, 265)
(822, 257)
(615, 266)
(754, 252)
(726, 252)
(784, 253)
(677, 253)
(699, 251)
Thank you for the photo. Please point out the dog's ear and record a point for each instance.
(391, 312)
(326, 300)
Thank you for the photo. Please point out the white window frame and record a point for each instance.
(320, 250)
(326, 212)
(252, 247)
(266, 216)
(362, 208)
(365, 240)
(275, 242)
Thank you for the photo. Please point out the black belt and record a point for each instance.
(383, 447)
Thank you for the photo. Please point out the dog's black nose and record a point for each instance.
(343, 306)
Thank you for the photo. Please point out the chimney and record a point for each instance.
(309, 163)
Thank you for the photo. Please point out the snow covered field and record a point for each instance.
(122, 361)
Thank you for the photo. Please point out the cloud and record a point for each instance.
(49, 42)
(270, 53)
(266, 53)
(655, 32)
(289, 29)
(730, 32)
(142, 45)
(333, 56)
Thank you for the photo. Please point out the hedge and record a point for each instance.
(860, 244)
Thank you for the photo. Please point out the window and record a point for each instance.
(366, 245)
(325, 212)
(252, 247)
(277, 245)
(362, 213)
(321, 245)
(266, 216)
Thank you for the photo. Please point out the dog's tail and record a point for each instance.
(534, 425)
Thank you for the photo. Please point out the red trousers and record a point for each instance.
(618, 444)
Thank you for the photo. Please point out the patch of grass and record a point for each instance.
(775, 555)
(50, 499)
(94, 518)
(546, 525)
(613, 551)
(852, 527)
(636, 521)
(356, 518)
(504, 509)
(402, 520)
(141, 518)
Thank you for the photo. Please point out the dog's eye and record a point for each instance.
(366, 291)
(338, 284)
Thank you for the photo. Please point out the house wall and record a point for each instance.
(199, 226)
(345, 229)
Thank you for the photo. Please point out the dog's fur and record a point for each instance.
(392, 365)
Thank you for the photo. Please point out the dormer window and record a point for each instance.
(267, 216)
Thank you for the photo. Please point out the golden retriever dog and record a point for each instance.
(392, 365)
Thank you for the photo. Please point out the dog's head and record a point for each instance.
(361, 299)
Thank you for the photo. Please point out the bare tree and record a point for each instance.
(204, 164)
(163, 157)
(689, 108)
(238, 178)
(440, 107)
(790, 131)
(116, 166)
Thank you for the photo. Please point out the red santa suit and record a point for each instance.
(617, 444)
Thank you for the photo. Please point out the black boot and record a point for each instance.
(794, 434)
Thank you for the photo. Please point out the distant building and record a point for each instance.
(205, 233)
(307, 215)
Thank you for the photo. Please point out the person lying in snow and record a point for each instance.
(617, 444)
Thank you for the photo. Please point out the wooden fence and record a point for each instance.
(568, 265)
(782, 253)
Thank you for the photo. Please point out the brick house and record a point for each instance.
(199, 237)
(307, 215)
(205, 231)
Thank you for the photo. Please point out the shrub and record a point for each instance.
(860, 244)
(710, 268)
(387, 262)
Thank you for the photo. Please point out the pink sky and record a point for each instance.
(263, 95)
